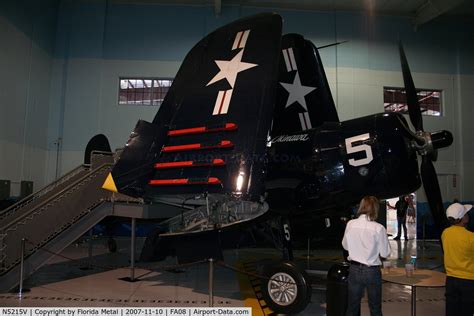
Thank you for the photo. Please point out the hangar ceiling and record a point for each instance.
(422, 11)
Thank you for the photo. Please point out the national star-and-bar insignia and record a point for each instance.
(229, 69)
(296, 91)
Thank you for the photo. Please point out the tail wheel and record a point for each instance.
(287, 289)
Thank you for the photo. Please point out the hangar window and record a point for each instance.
(394, 100)
(143, 91)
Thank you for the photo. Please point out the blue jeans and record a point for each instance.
(361, 278)
(402, 222)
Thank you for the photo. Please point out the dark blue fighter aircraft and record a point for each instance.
(249, 131)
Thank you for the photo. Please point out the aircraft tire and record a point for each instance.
(290, 296)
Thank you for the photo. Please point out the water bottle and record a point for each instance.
(413, 261)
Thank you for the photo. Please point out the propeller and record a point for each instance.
(427, 145)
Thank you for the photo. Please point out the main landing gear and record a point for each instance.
(286, 288)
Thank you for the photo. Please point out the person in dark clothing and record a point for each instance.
(470, 224)
(401, 206)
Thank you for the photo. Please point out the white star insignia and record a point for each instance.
(297, 92)
(230, 68)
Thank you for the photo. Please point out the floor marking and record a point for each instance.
(257, 289)
(111, 300)
(251, 289)
(247, 293)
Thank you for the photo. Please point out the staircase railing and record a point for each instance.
(41, 222)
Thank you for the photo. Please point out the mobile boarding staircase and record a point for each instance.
(52, 218)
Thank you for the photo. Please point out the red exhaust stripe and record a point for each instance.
(177, 164)
(195, 130)
(218, 162)
(182, 164)
(181, 147)
(225, 144)
(230, 126)
(222, 144)
(169, 182)
(202, 129)
(211, 180)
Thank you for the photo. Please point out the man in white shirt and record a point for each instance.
(366, 241)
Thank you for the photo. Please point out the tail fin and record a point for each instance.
(304, 99)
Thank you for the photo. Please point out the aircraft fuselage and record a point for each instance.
(336, 164)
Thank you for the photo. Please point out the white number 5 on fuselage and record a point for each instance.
(350, 148)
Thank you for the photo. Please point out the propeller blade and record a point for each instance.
(408, 133)
(434, 155)
(433, 193)
(412, 98)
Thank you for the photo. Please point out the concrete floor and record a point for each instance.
(75, 279)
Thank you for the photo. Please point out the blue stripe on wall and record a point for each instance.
(425, 226)
(423, 217)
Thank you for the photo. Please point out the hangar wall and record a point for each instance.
(27, 33)
(99, 41)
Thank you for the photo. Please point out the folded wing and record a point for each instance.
(210, 133)
(304, 99)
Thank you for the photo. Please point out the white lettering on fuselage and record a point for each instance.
(290, 138)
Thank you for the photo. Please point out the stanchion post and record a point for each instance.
(89, 249)
(413, 300)
(211, 282)
(423, 219)
(22, 265)
(308, 254)
(132, 251)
